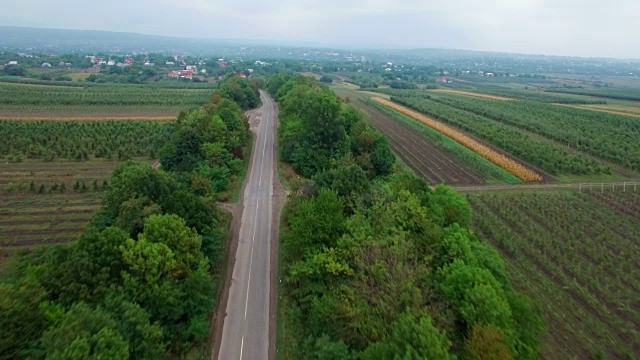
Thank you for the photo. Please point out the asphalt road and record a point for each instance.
(245, 333)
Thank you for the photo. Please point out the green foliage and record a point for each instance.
(326, 79)
(41, 95)
(22, 320)
(606, 136)
(320, 133)
(412, 338)
(80, 140)
(239, 90)
(85, 333)
(384, 267)
(139, 282)
(540, 152)
(210, 143)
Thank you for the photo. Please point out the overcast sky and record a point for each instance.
(556, 27)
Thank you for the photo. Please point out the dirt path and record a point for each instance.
(468, 93)
(633, 185)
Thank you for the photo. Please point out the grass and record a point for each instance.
(493, 174)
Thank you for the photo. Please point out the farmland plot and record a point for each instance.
(577, 255)
(30, 219)
(432, 155)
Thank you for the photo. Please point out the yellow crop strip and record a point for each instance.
(525, 174)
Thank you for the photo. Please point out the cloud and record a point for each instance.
(561, 27)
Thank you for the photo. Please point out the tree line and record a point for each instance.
(375, 263)
(139, 282)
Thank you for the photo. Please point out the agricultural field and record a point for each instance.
(576, 254)
(473, 94)
(32, 175)
(508, 164)
(49, 202)
(34, 101)
(32, 219)
(609, 137)
(617, 109)
(430, 154)
(53, 174)
(81, 140)
(551, 157)
(620, 94)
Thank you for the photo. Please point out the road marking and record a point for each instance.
(241, 347)
(253, 242)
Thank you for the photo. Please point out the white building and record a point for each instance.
(46, 64)
(12, 62)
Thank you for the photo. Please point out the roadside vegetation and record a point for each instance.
(376, 264)
(139, 282)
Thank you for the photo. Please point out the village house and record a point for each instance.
(46, 64)
(169, 63)
(174, 74)
(129, 61)
(12, 62)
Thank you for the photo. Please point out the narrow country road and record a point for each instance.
(245, 333)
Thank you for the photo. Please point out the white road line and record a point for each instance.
(253, 238)
(253, 241)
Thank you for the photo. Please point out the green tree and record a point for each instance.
(22, 320)
(326, 79)
(85, 333)
(412, 338)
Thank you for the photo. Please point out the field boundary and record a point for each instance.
(623, 186)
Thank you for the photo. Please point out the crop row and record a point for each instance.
(621, 94)
(16, 94)
(502, 161)
(172, 84)
(533, 95)
(611, 137)
(82, 140)
(440, 148)
(542, 153)
(567, 237)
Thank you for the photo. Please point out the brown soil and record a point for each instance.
(43, 221)
(23, 243)
(478, 95)
(422, 156)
